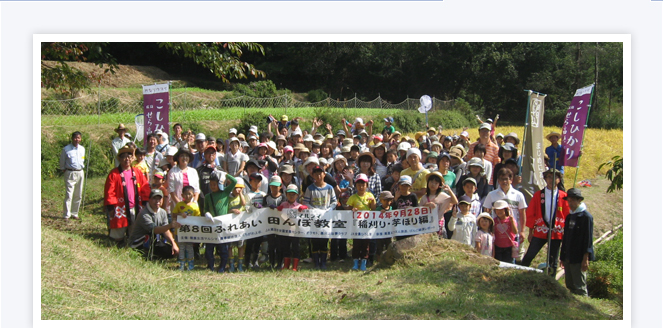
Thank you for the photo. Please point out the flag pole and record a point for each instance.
(520, 167)
(553, 206)
(582, 142)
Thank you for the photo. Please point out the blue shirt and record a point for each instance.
(199, 160)
(550, 151)
(72, 157)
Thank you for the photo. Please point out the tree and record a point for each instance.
(615, 173)
(221, 58)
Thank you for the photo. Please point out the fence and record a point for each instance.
(121, 105)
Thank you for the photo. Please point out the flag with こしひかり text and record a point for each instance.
(156, 106)
(574, 125)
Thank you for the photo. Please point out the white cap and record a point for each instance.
(413, 151)
(233, 139)
(233, 130)
(296, 133)
(404, 145)
(271, 144)
(200, 136)
(308, 137)
(465, 134)
(171, 151)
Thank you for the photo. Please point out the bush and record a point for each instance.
(448, 119)
(409, 121)
(98, 155)
(258, 89)
(316, 95)
(605, 277)
(554, 117)
(258, 119)
(606, 120)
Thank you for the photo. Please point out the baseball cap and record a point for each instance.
(288, 149)
(275, 181)
(486, 126)
(465, 134)
(406, 179)
(469, 180)
(361, 177)
(500, 204)
(317, 169)
(156, 192)
(284, 117)
(200, 137)
(341, 133)
(171, 151)
(292, 188)
(255, 176)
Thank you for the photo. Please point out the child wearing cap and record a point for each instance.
(254, 200)
(362, 200)
(188, 206)
(319, 195)
(577, 243)
(484, 236)
(464, 226)
(505, 232)
(217, 203)
(158, 183)
(236, 205)
(483, 186)
(289, 246)
(386, 198)
(404, 197)
(273, 200)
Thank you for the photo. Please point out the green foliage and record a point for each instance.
(448, 119)
(316, 95)
(98, 156)
(615, 173)
(110, 105)
(258, 119)
(606, 120)
(221, 58)
(605, 278)
(258, 89)
(409, 121)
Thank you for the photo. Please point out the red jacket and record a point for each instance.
(114, 195)
(535, 216)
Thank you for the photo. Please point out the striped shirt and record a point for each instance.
(491, 152)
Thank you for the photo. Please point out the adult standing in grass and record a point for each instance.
(72, 163)
(120, 141)
(577, 243)
(124, 190)
(152, 156)
(491, 149)
(538, 219)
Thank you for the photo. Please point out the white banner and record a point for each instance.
(311, 223)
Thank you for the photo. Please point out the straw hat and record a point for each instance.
(553, 134)
(120, 127)
(125, 149)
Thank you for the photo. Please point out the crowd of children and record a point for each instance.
(473, 186)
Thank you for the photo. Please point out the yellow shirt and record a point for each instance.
(142, 166)
(190, 209)
(360, 202)
(420, 181)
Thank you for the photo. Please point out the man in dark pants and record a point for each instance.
(538, 218)
(577, 244)
(151, 233)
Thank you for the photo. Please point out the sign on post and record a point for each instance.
(156, 100)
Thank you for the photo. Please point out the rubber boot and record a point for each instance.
(316, 258)
(323, 261)
(232, 265)
(191, 265)
(286, 263)
(181, 265)
(363, 265)
(295, 263)
(240, 265)
(356, 264)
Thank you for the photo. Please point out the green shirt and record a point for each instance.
(217, 202)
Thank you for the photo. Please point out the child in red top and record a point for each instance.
(289, 246)
(505, 232)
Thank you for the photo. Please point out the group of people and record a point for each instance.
(474, 187)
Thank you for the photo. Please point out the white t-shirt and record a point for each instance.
(513, 197)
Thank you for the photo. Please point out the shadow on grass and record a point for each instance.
(449, 289)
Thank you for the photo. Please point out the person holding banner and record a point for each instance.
(543, 204)
(124, 190)
(556, 151)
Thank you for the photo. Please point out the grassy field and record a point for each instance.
(85, 277)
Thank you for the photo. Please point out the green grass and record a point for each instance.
(85, 277)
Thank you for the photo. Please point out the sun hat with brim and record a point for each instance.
(232, 130)
(486, 216)
(436, 143)
(253, 137)
(475, 161)
(432, 154)
(345, 149)
(465, 134)
(163, 162)
(308, 137)
(244, 144)
(340, 133)
(444, 155)
(159, 174)
(404, 146)
(311, 159)
(469, 180)
(551, 171)
(323, 161)
(120, 127)
(378, 145)
(514, 136)
(460, 148)
(183, 152)
(456, 153)
(156, 192)
(329, 136)
(299, 146)
(292, 188)
(263, 145)
(125, 149)
(435, 173)
(280, 137)
(508, 146)
(305, 150)
(317, 143)
(233, 139)
(406, 180)
(364, 155)
(271, 144)
(240, 183)
(340, 158)
(396, 133)
(431, 129)
(419, 135)
(275, 181)
(386, 195)
(287, 169)
(500, 204)
(553, 134)
(574, 193)
(486, 126)
(241, 137)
